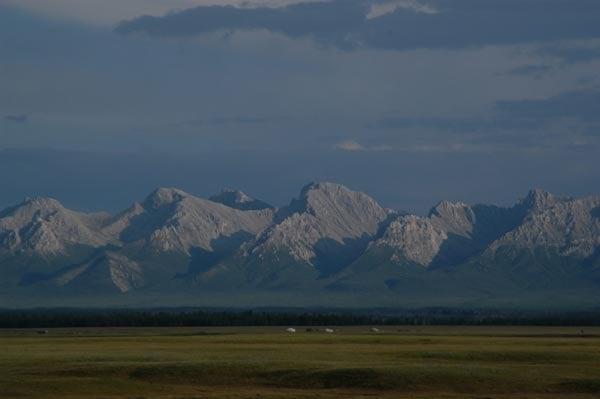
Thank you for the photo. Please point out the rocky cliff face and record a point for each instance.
(414, 239)
(538, 200)
(450, 235)
(455, 217)
(172, 220)
(43, 226)
(168, 220)
(571, 227)
(325, 221)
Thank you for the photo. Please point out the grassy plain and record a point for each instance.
(400, 362)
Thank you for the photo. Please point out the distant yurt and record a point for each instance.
(329, 330)
(291, 330)
(375, 330)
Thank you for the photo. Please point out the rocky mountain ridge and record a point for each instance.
(331, 241)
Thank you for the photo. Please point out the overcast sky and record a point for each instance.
(412, 101)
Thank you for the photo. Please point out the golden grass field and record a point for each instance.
(400, 362)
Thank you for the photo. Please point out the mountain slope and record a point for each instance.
(450, 235)
(324, 228)
(42, 226)
(108, 271)
(172, 220)
(570, 226)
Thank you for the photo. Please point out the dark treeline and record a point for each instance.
(48, 318)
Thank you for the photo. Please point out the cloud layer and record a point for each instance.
(17, 118)
(109, 12)
(398, 25)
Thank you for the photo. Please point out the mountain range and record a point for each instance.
(330, 247)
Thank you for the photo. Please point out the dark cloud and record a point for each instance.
(17, 118)
(580, 105)
(344, 23)
(553, 122)
(328, 21)
(571, 53)
(535, 71)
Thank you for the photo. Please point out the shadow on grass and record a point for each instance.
(581, 386)
(457, 379)
(454, 378)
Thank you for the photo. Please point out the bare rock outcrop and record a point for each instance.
(173, 220)
(570, 226)
(44, 227)
(326, 215)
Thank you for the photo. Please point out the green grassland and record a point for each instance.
(399, 362)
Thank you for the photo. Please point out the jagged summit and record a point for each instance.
(343, 210)
(538, 199)
(324, 187)
(42, 226)
(324, 221)
(564, 225)
(32, 205)
(239, 196)
(164, 196)
(331, 200)
(447, 208)
(452, 233)
(239, 200)
(172, 220)
(42, 202)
